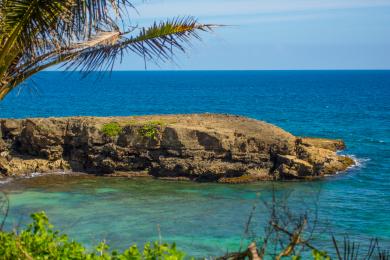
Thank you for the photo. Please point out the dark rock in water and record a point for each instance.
(201, 147)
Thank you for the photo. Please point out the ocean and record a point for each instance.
(207, 219)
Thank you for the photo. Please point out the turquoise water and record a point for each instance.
(209, 219)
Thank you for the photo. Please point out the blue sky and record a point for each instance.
(277, 34)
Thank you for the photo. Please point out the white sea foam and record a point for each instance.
(5, 181)
(359, 162)
(33, 175)
(37, 174)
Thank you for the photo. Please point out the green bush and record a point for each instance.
(40, 241)
(112, 129)
(151, 129)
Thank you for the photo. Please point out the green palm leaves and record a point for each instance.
(83, 34)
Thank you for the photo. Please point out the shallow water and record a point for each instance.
(205, 219)
(209, 219)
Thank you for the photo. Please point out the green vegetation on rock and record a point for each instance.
(151, 129)
(112, 129)
(40, 241)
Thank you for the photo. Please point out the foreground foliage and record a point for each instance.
(40, 241)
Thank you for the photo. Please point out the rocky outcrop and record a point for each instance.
(204, 147)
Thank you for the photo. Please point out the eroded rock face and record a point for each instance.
(204, 147)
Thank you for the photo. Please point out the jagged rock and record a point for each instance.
(202, 147)
(21, 166)
(10, 128)
(290, 167)
(333, 145)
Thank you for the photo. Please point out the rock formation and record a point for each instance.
(201, 147)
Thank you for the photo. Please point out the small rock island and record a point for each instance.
(199, 147)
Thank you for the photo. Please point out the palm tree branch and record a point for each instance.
(101, 50)
(4, 90)
(98, 39)
(36, 26)
(23, 21)
(156, 41)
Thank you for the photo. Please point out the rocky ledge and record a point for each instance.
(200, 147)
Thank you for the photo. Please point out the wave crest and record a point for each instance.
(359, 162)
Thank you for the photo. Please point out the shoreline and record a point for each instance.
(358, 163)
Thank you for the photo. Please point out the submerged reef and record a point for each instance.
(199, 147)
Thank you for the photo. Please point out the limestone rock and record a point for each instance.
(290, 167)
(201, 147)
(333, 145)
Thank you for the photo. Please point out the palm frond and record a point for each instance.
(83, 34)
(27, 69)
(101, 51)
(154, 43)
(55, 22)
(27, 23)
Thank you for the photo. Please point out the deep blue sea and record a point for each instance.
(209, 219)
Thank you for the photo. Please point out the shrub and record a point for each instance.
(151, 129)
(112, 129)
(40, 241)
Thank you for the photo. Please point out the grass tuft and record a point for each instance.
(151, 129)
(112, 129)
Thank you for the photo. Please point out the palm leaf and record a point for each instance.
(154, 43)
(100, 52)
(84, 34)
(29, 23)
